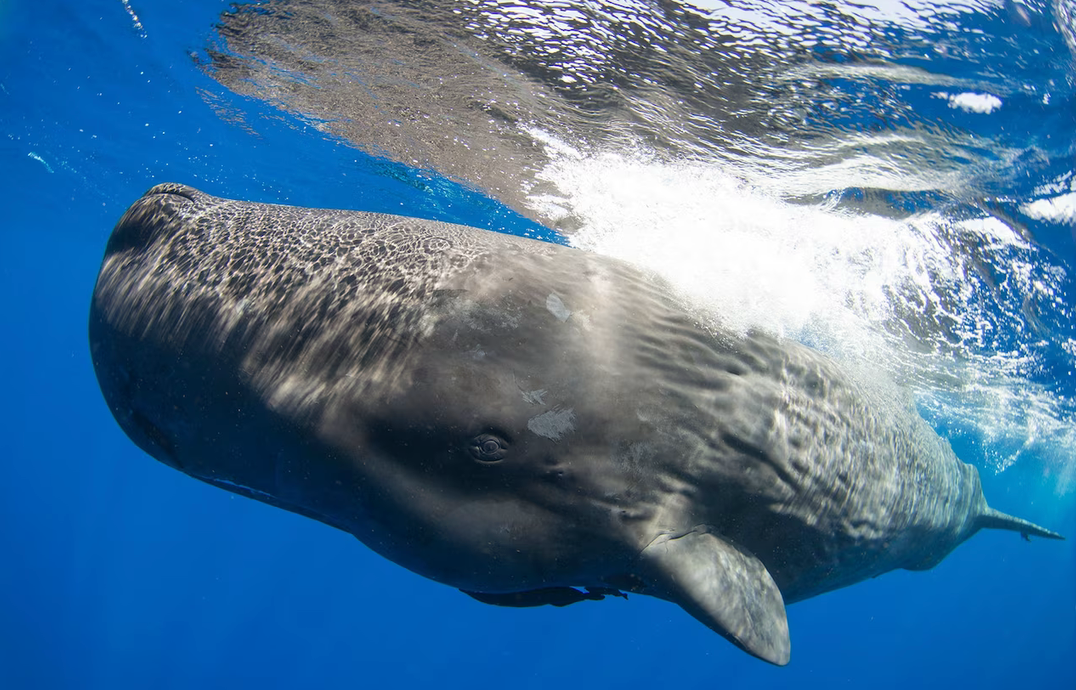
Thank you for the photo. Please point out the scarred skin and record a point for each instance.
(510, 417)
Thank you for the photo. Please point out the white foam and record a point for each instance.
(756, 260)
(984, 103)
(1058, 209)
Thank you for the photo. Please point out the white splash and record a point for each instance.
(984, 103)
(1058, 209)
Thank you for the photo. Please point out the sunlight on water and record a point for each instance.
(893, 294)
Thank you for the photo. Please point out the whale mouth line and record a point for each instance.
(158, 440)
(270, 499)
(236, 487)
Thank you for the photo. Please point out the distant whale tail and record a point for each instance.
(995, 519)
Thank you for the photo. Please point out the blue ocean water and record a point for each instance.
(916, 194)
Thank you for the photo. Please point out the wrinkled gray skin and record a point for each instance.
(512, 418)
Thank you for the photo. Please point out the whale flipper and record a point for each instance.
(727, 589)
(995, 519)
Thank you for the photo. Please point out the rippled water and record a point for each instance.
(891, 183)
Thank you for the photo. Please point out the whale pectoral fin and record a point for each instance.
(727, 589)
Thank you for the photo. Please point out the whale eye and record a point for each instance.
(488, 448)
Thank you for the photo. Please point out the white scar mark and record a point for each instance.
(553, 424)
(556, 307)
(534, 397)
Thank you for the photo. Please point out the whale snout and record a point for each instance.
(131, 395)
(123, 306)
(154, 215)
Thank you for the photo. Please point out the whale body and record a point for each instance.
(527, 422)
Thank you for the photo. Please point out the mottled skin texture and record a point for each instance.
(512, 418)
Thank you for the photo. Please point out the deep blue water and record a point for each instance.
(118, 572)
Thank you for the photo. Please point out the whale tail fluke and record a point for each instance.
(995, 519)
